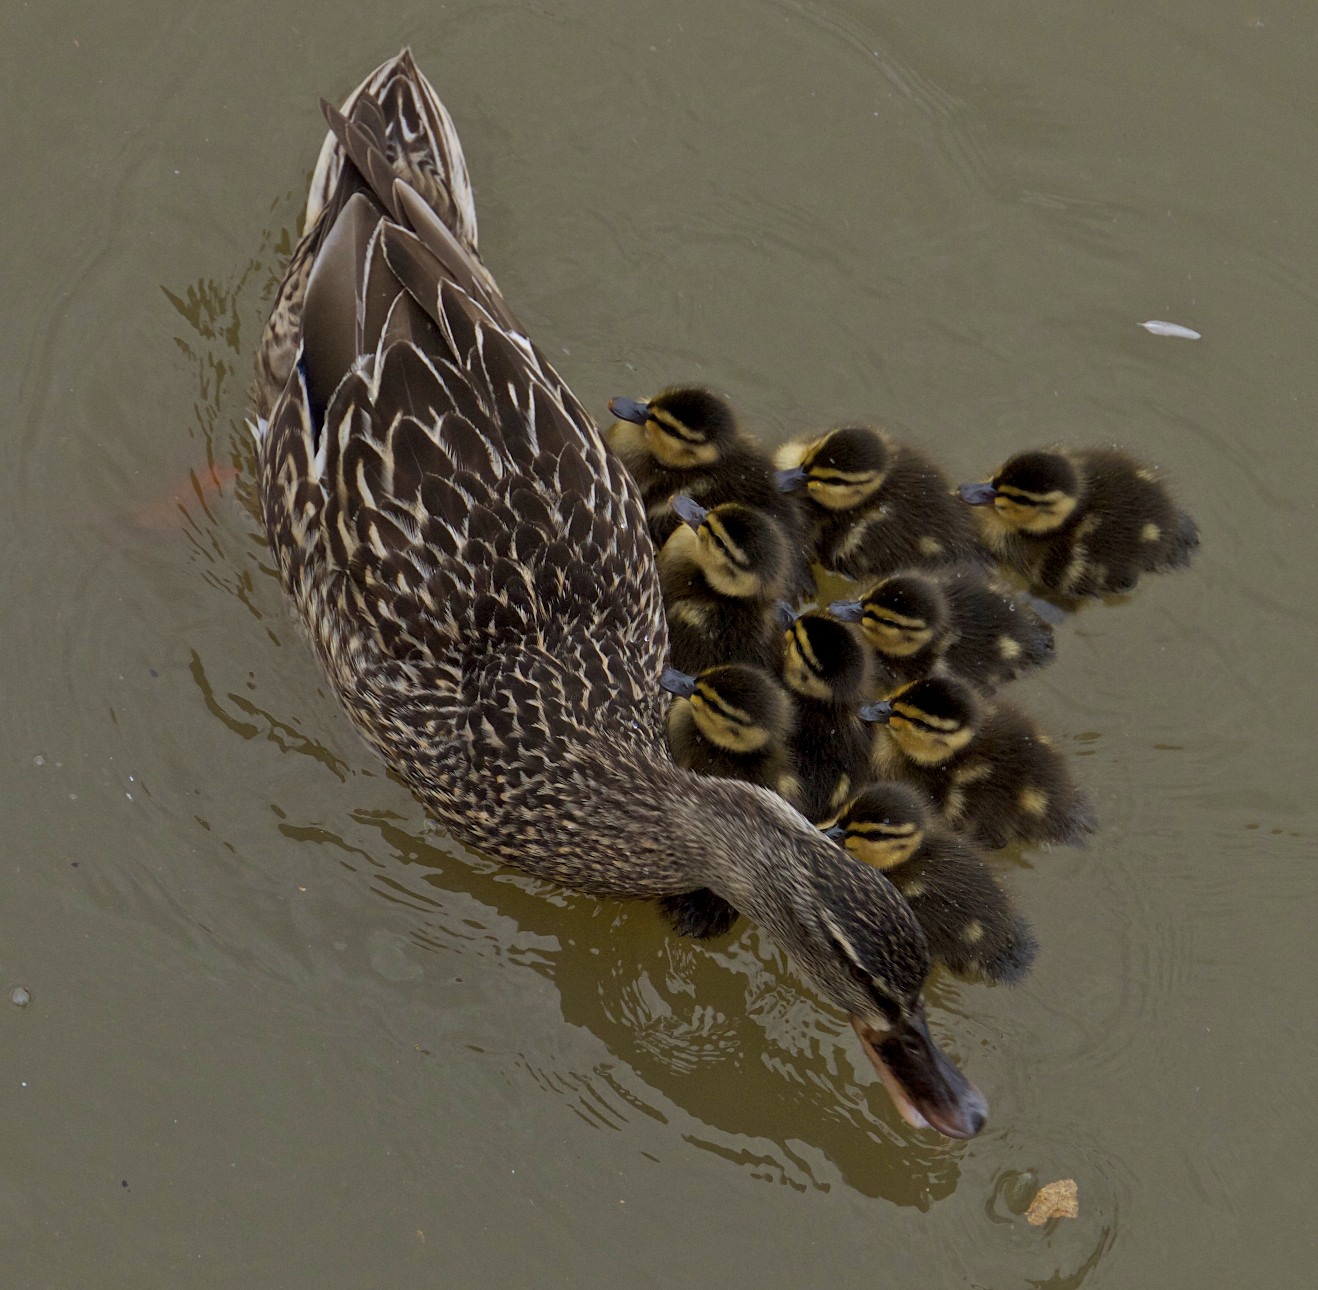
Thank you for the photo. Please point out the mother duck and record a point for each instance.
(474, 570)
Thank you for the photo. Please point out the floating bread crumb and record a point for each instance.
(1055, 1200)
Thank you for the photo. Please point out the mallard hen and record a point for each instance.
(475, 573)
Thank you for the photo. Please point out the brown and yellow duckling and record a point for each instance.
(968, 919)
(875, 505)
(732, 721)
(686, 440)
(826, 665)
(951, 621)
(722, 574)
(989, 768)
(1081, 523)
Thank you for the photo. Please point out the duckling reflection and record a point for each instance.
(989, 768)
(875, 505)
(686, 440)
(953, 621)
(967, 917)
(827, 668)
(721, 575)
(732, 721)
(1081, 523)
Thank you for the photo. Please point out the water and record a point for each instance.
(276, 1031)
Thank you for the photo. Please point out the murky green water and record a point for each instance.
(279, 1034)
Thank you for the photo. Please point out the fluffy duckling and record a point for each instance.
(686, 440)
(722, 574)
(1081, 523)
(952, 621)
(732, 721)
(968, 919)
(992, 771)
(826, 665)
(875, 505)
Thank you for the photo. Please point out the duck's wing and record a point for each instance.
(428, 478)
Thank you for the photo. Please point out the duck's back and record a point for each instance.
(472, 562)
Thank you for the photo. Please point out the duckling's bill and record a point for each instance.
(977, 494)
(680, 683)
(927, 1089)
(629, 410)
(688, 510)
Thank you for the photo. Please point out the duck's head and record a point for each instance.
(855, 939)
(826, 659)
(900, 616)
(738, 708)
(1032, 492)
(840, 470)
(884, 825)
(742, 551)
(930, 720)
(683, 427)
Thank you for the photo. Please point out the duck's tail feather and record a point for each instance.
(398, 111)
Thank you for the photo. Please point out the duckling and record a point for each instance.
(1081, 523)
(721, 575)
(732, 721)
(686, 440)
(826, 665)
(967, 917)
(990, 769)
(952, 621)
(875, 505)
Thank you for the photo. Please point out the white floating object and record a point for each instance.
(1170, 329)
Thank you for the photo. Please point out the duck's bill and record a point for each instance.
(929, 1092)
(977, 494)
(629, 410)
(786, 613)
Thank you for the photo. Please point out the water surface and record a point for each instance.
(282, 1034)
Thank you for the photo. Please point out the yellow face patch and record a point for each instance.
(926, 739)
(836, 491)
(1033, 512)
(729, 727)
(885, 846)
(895, 634)
(726, 566)
(801, 666)
(675, 446)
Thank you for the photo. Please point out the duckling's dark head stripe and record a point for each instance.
(678, 429)
(851, 455)
(885, 617)
(908, 596)
(880, 830)
(719, 535)
(801, 639)
(713, 700)
(1032, 477)
(938, 703)
(694, 415)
